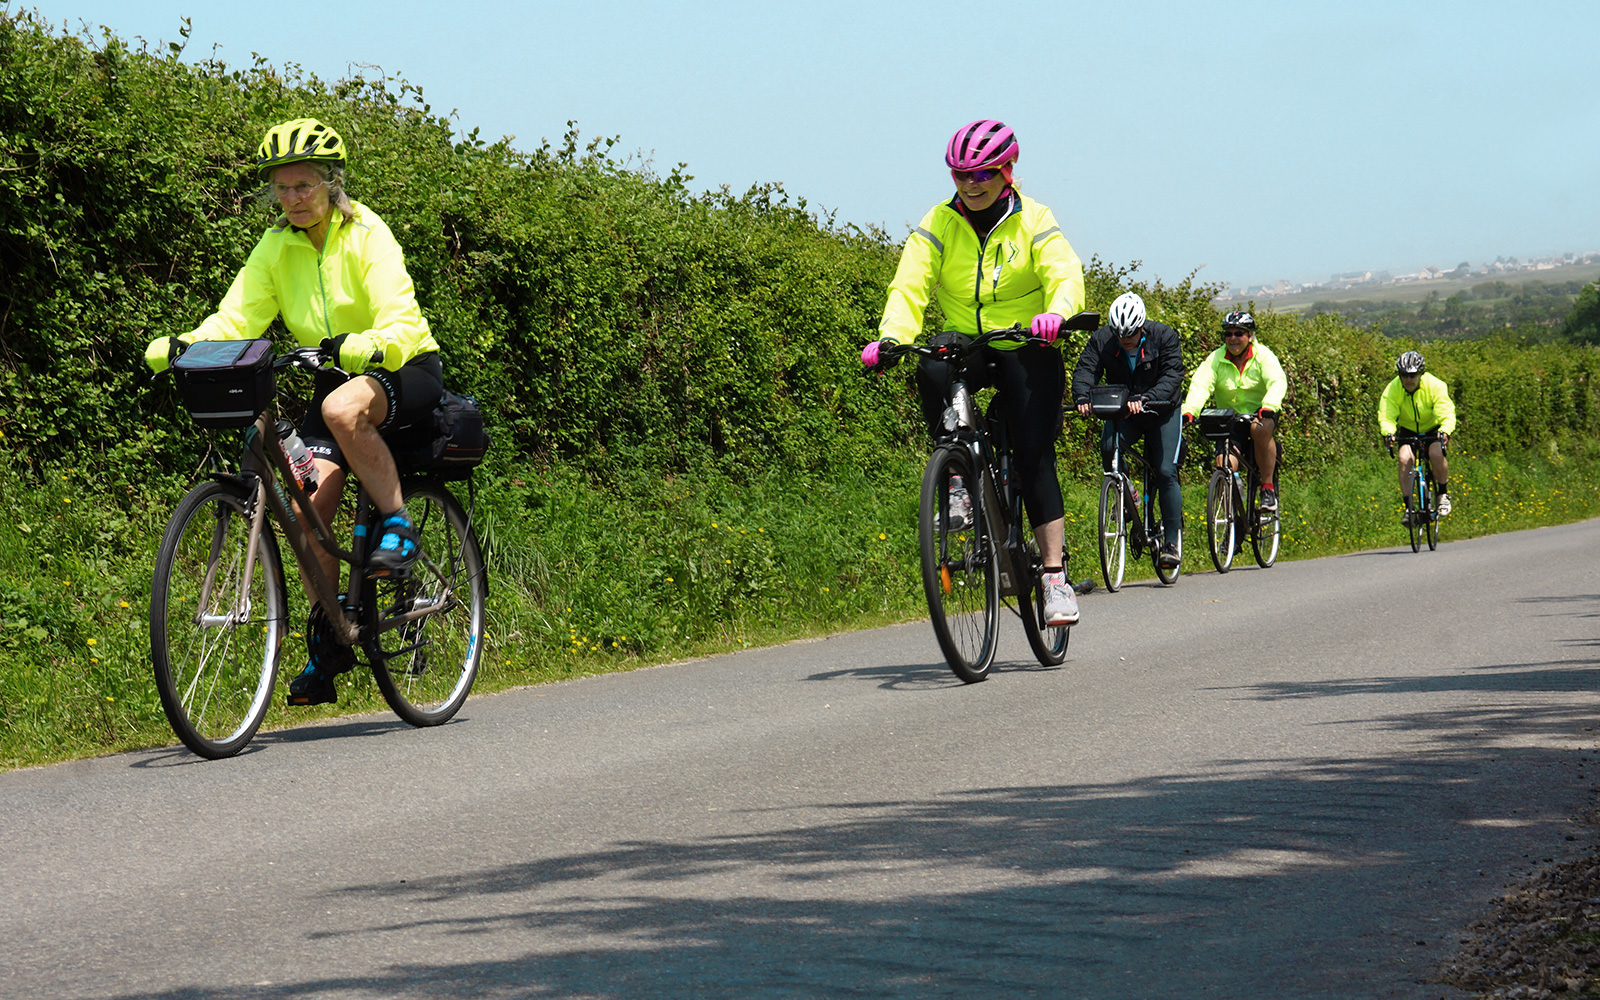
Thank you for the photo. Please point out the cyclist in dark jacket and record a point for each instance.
(1147, 358)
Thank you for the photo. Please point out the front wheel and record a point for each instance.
(1220, 523)
(1265, 529)
(959, 575)
(1113, 531)
(1419, 502)
(216, 630)
(423, 632)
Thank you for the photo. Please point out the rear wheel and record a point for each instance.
(1220, 520)
(1433, 516)
(959, 575)
(1265, 529)
(1049, 642)
(1113, 532)
(425, 665)
(216, 631)
(1157, 539)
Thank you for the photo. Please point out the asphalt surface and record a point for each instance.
(1299, 782)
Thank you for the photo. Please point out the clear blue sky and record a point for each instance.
(1252, 140)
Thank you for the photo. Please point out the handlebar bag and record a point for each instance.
(225, 383)
(1107, 400)
(1217, 424)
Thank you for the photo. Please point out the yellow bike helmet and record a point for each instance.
(294, 141)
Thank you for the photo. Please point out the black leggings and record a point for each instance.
(1030, 382)
(1162, 438)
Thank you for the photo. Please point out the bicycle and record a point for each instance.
(967, 568)
(1119, 535)
(1422, 519)
(1232, 501)
(219, 605)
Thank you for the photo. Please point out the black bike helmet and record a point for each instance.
(1239, 320)
(1410, 363)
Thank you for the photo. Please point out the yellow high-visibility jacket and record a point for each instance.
(1427, 409)
(1258, 384)
(357, 284)
(1024, 267)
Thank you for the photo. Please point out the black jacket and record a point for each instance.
(1156, 377)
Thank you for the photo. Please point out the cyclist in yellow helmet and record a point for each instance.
(335, 274)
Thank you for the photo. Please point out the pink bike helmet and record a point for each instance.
(979, 144)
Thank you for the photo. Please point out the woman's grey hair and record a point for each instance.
(332, 173)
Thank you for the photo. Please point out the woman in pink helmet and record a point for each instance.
(993, 258)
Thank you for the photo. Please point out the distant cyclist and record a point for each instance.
(994, 258)
(1244, 376)
(1415, 408)
(1147, 358)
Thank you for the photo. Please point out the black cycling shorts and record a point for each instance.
(1418, 441)
(412, 393)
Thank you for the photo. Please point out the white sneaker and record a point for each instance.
(959, 506)
(1444, 504)
(1060, 602)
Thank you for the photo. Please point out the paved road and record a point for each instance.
(1291, 783)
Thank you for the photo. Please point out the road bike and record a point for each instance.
(1120, 534)
(219, 602)
(983, 555)
(1233, 502)
(1422, 519)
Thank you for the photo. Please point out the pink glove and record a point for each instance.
(1048, 326)
(869, 355)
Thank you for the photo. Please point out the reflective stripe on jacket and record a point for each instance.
(1261, 385)
(1424, 410)
(357, 284)
(1024, 267)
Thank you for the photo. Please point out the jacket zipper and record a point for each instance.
(983, 248)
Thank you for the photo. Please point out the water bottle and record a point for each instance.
(300, 461)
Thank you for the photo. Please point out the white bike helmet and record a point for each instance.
(1127, 314)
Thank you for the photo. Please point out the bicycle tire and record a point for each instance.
(425, 668)
(1433, 514)
(1167, 576)
(1048, 642)
(1220, 524)
(1113, 531)
(1419, 500)
(959, 575)
(1265, 529)
(215, 666)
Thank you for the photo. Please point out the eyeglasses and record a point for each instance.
(1236, 333)
(1130, 334)
(976, 176)
(297, 192)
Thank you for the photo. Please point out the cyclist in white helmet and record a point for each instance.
(1147, 357)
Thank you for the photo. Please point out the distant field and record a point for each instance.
(1416, 291)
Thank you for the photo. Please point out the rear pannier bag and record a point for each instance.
(225, 383)
(452, 447)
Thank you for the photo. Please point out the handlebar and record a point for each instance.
(888, 354)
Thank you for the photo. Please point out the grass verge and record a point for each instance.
(589, 579)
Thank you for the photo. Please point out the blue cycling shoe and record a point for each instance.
(398, 547)
(328, 659)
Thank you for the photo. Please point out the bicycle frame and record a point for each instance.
(1423, 516)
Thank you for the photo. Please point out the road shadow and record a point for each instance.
(1241, 878)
